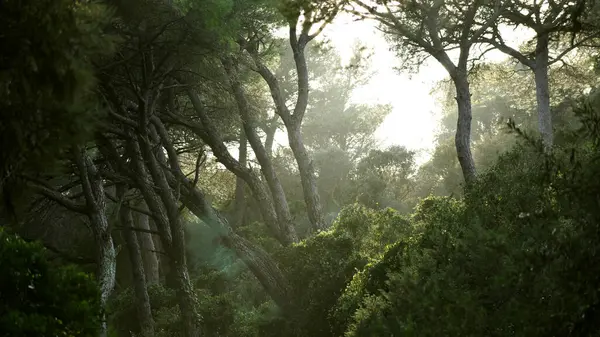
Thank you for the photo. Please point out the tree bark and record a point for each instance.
(171, 228)
(293, 123)
(542, 91)
(95, 198)
(270, 130)
(257, 260)
(187, 298)
(462, 139)
(240, 201)
(286, 224)
(265, 201)
(307, 178)
(147, 247)
(263, 267)
(142, 300)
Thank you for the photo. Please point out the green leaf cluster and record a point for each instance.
(37, 299)
(510, 258)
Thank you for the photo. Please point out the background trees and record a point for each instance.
(208, 191)
(423, 29)
(553, 23)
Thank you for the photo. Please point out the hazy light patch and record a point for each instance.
(413, 121)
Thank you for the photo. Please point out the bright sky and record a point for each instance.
(413, 121)
(415, 111)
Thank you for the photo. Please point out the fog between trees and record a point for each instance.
(145, 195)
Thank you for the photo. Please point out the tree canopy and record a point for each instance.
(208, 168)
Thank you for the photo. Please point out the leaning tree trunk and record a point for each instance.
(95, 198)
(307, 177)
(142, 300)
(542, 91)
(286, 224)
(240, 199)
(147, 247)
(259, 262)
(176, 250)
(263, 267)
(164, 206)
(293, 123)
(462, 138)
(264, 198)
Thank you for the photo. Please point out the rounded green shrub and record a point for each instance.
(37, 299)
(514, 257)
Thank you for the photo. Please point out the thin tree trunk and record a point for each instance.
(95, 198)
(171, 229)
(240, 184)
(270, 131)
(187, 298)
(265, 201)
(286, 225)
(147, 247)
(462, 138)
(542, 91)
(263, 267)
(144, 311)
(307, 178)
(293, 122)
(257, 260)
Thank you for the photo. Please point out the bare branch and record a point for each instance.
(60, 199)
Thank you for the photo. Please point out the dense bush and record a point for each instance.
(318, 269)
(514, 257)
(322, 266)
(37, 299)
(223, 305)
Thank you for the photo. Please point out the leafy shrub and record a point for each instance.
(322, 266)
(318, 270)
(366, 284)
(372, 231)
(217, 305)
(37, 299)
(514, 257)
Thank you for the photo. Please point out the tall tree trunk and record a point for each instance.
(293, 123)
(307, 177)
(263, 267)
(286, 224)
(542, 91)
(212, 138)
(147, 247)
(294, 127)
(270, 131)
(185, 291)
(240, 198)
(462, 139)
(171, 228)
(95, 198)
(142, 300)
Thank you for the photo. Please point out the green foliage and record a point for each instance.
(511, 258)
(231, 303)
(372, 231)
(37, 299)
(366, 286)
(46, 70)
(322, 266)
(328, 261)
(383, 178)
(47, 82)
(501, 91)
